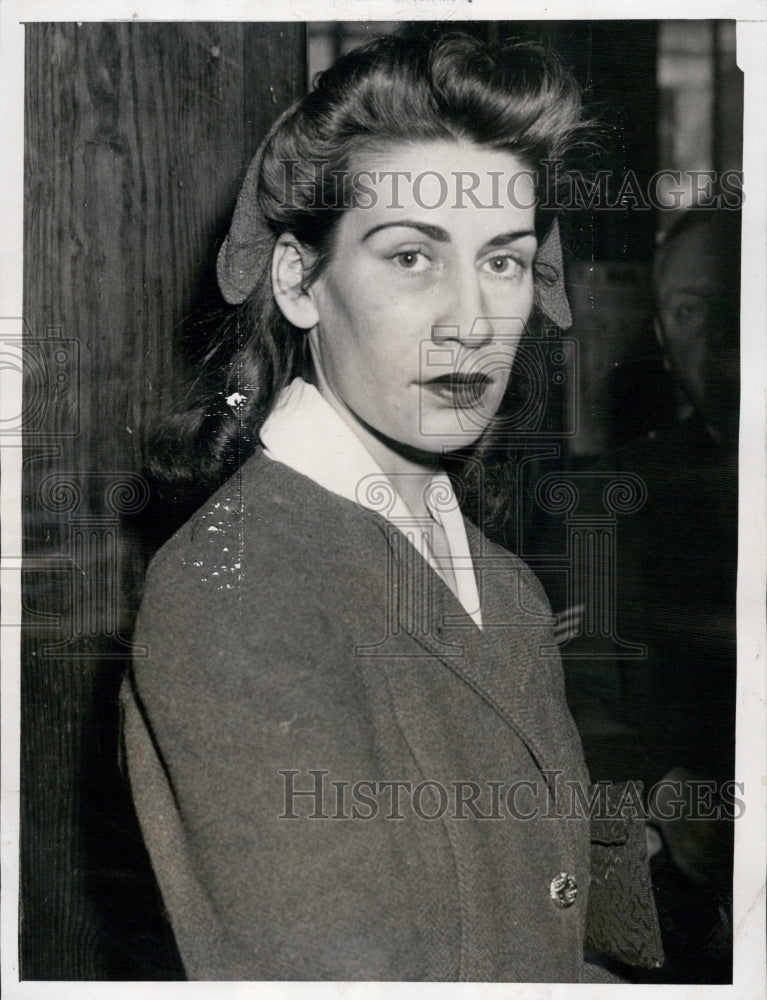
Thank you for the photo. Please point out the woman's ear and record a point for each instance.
(288, 274)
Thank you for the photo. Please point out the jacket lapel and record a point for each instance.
(501, 663)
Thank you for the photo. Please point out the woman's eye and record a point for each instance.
(504, 266)
(411, 260)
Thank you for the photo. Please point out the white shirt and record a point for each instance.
(304, 432)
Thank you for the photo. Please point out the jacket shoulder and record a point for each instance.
(272, 564)
(256, 526)
(503, 563)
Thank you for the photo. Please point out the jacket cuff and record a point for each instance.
(621, 919)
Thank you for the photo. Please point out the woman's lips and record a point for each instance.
(463, 392)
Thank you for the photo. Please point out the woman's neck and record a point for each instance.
(410, 470)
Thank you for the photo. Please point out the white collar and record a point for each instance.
(304, 432)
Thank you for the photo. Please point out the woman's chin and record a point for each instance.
(441, 444)
(451, 431)
(423, 436)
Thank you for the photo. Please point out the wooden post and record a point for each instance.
(137, 136)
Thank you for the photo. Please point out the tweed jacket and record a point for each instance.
(312, 713)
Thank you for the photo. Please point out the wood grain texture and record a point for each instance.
(137, 136)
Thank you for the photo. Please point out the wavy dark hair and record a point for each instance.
(520, 99)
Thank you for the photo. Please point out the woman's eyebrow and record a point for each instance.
(440, 235)
(511, 237)
(436, 233)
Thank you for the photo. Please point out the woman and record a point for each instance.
(348, 742)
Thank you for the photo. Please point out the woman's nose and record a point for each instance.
(463, 316)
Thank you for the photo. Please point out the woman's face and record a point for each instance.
(423, 303)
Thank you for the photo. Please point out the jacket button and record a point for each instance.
(563, 890)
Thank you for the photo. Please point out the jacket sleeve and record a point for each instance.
(621, 920)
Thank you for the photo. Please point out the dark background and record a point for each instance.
(137, 137)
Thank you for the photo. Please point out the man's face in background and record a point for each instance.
(697, 285)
